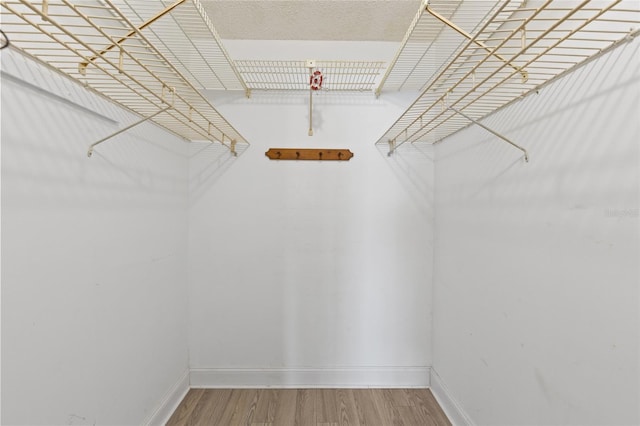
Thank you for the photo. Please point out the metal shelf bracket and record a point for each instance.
(526, 155)
(131, 126)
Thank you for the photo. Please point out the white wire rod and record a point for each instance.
(606, 31)
(624, 21)
(567, 55)
(88, 6)
(104, 18)
(591, 40)
(104, 27)
(488, 91)
(339, 64)
(93, 145)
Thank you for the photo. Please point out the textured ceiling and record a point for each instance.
(349, 20)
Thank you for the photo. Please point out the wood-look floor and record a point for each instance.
(309, 407)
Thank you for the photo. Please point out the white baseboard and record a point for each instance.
(449, 404)
(362, 377)
(170, 402)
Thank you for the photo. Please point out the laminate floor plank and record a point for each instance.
(305, 406)
(266, 407)
(426, 408)
(346, 405)
(389, 413)
(309, 407)
(410, 416)
(430, 408)
(286, 409)
(182, 414)
(245, 409)
(368, 414)
(326, 407)
(211, 406)
(396, 397)
(208, 402)
(229, 411)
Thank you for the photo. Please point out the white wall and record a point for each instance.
(94, 304)
(310, 265)
(536, 265)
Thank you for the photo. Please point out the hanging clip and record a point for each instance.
(45, 10)
(5, 40)
(121, 60)
(82, 68)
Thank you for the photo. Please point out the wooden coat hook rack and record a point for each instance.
(309, 154)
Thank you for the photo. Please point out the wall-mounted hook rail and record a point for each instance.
(90, 151)
(476, 122)
(309, 154)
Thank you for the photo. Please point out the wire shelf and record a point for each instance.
(189, 40)
(517, 48)
(95, 43)
(339, 76)
(426, 47)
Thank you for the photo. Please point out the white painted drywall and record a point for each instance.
(313, 265)
(94, 304)
(536, 265)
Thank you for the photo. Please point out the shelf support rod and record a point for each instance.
(476, 122)
(456, 28)
(90, 151)
(310, 105)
